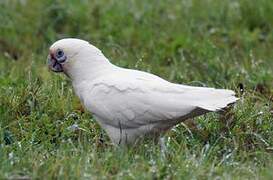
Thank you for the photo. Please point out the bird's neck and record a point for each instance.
(89, 67)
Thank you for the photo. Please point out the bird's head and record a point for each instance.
(74, 56)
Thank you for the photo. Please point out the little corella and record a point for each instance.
(127, 103)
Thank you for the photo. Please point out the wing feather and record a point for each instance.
(133, 98)
(132, 102)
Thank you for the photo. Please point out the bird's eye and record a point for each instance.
(60, 56)
(59, 53)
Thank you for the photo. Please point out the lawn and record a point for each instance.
(45, 133)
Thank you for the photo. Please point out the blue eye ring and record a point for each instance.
(59, 53)
(60, 56)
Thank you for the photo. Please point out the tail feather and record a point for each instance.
(217, 99)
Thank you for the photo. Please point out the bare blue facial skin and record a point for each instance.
(55, 60)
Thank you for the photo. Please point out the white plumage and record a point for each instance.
(128, 103)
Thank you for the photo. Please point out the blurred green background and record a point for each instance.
(218, 43)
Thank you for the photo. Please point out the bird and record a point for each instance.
(130, 104)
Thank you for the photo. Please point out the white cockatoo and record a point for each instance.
(128, 103)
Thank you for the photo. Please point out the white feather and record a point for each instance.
(130, 103)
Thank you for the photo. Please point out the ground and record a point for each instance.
(45, 132)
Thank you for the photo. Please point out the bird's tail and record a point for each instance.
(215, 99)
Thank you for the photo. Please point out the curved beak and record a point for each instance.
(53, 63)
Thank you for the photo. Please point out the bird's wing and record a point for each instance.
(137, 98)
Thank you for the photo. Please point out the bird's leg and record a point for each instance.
(120, 131)
(163, 147)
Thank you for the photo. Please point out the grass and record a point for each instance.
(218, 43)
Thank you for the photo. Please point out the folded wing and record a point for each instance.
(133, 99)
